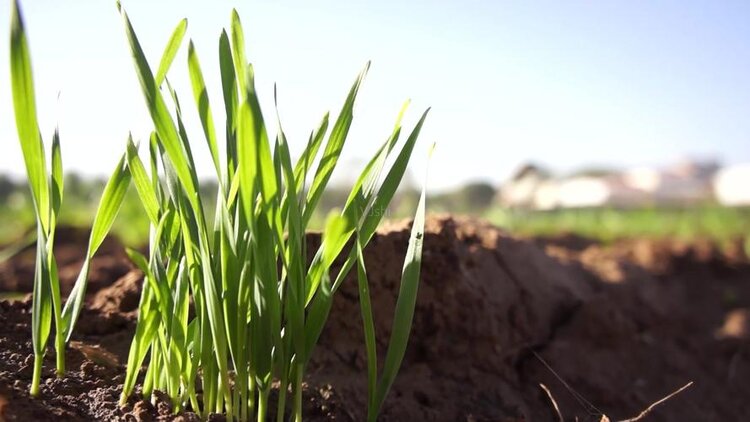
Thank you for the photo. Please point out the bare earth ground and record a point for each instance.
(623, 325)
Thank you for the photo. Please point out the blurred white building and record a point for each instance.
(732, 185)
(686, 183)
(520, 190)
(585, 192)
(547, 195)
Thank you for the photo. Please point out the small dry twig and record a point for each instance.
(589, 407)
(554, 403)
(658, 402)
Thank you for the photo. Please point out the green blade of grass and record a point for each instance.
(405, 304)
(170, 51)
(247, 155)
(333, 149)
(383, 197)
(54, 287)
(266, 171)
(371, 175)
(385, 193)
(359, 203)
(392, 180)
(294, 261)
(356, 209)
(153, 154)
(204, 109)
(216, 322)
(159, 288)
(317, 315)
(57, 179)
(165, 127)
(333, 235)
(24, 105)
(368, 325)
(41, 311)
(234, 188)
(307, 158)
(179, 323)
(238, 52)
(229, 90)
(142, 183)
(57, 183)
(184, 140)
(265, 305)
(148, 320)
(109, 206)
(230, 272)
(293, 257)
(46, 292)
(322, 297)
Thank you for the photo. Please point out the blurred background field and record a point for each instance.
(705, 218)
(635, 117)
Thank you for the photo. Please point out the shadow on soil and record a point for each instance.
(623, 325)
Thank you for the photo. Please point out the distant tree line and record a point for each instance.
(84, 192)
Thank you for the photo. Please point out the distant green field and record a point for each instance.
(713, 222)
(18, 219)
(709, 221)
(131, 225)
(11, 296)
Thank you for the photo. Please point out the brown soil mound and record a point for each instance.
(109, 264)
(623, 326)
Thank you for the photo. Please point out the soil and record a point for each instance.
(609, 329)
(111, 263)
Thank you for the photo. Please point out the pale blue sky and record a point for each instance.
(567, 84)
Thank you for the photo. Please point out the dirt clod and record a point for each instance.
(622, 325)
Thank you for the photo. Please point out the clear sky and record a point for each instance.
(567, 84)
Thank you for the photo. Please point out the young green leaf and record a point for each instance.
(229, 91)
(204, 109)
(165, 127)
(109, 206)
(307, 158)
(238, 52)
(142, 183)
(57, 175)
(170, 51)
(333, 148)
(24, 104)
(41, 312)
(368, 324)
(405, 304)
(46, 292)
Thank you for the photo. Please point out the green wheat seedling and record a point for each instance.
(231, 305)
(47, 195)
